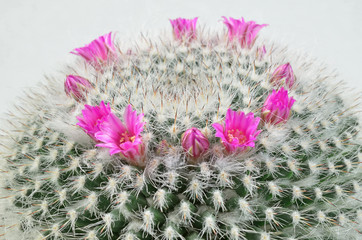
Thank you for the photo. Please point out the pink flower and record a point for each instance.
(194, 143)
(184, 29)
(283, 76)
(92, 117)
(77, 87)
(243, 32)
(123, 138)
(277, 107)
(239, 131)
(99, 51)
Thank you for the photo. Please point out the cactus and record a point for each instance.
(223, 136)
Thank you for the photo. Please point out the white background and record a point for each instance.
(37, 36)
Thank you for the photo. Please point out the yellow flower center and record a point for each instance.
(126, 138)
(236, 134)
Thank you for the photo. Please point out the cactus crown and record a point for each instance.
(198, 136)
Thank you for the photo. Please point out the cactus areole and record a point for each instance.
(190, 135)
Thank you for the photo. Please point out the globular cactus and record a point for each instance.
(223, 136)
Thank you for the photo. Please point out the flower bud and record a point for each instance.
(283, 76)
(194, 143)
(77, 87)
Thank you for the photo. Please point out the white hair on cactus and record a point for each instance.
(264, 236)
(139, 183)
(171, 179)
(108, 220)
(72, 214)
(359, 215)
(271, 164)
(44, 207)
(171, 234)
(245, 207)
(294, 166)
(160, 199)
(62, 194)
(270, 217)
(342, 219)
(112, 186)
(205, 171)
(250, 184)
(218, 200)
(54, 174)
(148, 222)
(274, 189)
(287, 150)
(323, 146)
(196, 190)
(235, 233)
(74, 164)
(39, 143)
(185, 213)
(209, 227)
(53, 155)
(314, 167)
(224, 179)
(297, 193)
(78, 184)
(332, 169)
(91, 235)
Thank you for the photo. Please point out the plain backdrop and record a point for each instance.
(37, 35)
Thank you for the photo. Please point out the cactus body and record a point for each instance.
(301, 180)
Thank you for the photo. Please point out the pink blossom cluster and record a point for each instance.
(100, 51)
(239, 31)
(110, 132)
(238, 132)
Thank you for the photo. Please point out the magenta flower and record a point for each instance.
(239, 132)
(194, 143)
(243, 32)
(277, 107)
(184, 29)
(99, 51)
(123, 138)
(92, 117)
(283, 76)
(77, 87)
